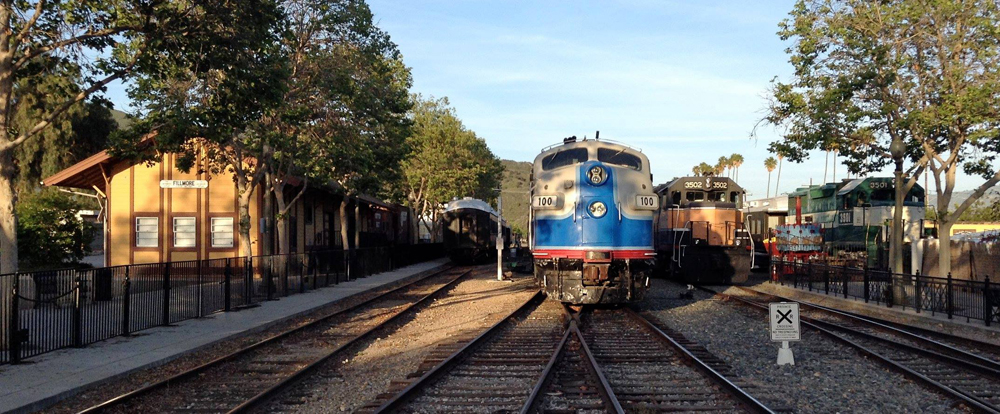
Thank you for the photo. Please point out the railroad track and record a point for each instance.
(542, 358)
(651, 368)
(251, 375)
(959, 373)
(494, 371)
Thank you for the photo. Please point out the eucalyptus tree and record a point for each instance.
(926, 73)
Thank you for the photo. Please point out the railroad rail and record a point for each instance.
(959, 373)
(595, 361)
(250, 375)
(494, 371)
(652, 368)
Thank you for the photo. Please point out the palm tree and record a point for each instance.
(778, 180)
(722, 166)
(770, 164)
(696, 170)
(705, 170)
(736, 160)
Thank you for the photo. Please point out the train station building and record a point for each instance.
(153, 212)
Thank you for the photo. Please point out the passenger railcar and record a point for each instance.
(700, 232)
(470, 231)
(591, 231)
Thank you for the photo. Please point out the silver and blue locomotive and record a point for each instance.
(591, 231)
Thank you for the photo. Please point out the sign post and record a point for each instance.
(784, 327)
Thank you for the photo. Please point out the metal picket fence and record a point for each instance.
(969, 299)
(54, 309)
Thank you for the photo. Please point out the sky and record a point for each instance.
(684, 81)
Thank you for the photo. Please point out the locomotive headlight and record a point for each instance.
(596, 175)
(598, 209)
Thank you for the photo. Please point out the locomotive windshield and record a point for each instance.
(619, 157)
(564, 158)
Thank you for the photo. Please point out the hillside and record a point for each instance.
(515, 193)
(124, 120)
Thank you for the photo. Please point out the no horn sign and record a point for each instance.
(784, 321)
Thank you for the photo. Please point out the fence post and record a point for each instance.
(826, 279)
(916, 295)
(226, 283)
(166, 294)
(987, 303)
(867, 283)
(314, 265)
(77, 316)
(248, 280)
(845, 278)
(200, 294)
(809, 272)
(303, 272)
(126, 300)
(14, 331)
(951, 304)
(270, 277)
(891, 292)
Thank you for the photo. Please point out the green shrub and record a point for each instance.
(49, 233)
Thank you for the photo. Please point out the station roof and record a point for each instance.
(85, 174)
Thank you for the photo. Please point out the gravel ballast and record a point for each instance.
(827, 377)
(473, 304)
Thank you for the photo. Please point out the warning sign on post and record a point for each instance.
(784, 321)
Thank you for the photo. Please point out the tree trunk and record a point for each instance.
(267, 237)
(357, 224)
(768, 194)
(245, 192)
(777, 181)
(944, 247)
(344, 228)
(8, 216)
(281, 220)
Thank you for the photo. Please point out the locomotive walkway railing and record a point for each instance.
(49, 310)
(969, 299)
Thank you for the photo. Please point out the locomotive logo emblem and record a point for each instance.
(596, 175)
(708, 183)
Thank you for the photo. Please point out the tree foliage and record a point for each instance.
(50, 233)
(446, 159)
(925, 72)
(343, 114)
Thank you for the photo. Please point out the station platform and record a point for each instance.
(46, 379)
(958, 326)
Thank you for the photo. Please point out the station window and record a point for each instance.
(222, 232)
(147, 230)
(184, 232)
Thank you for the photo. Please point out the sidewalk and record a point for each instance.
(973, 329)
(48, 378)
